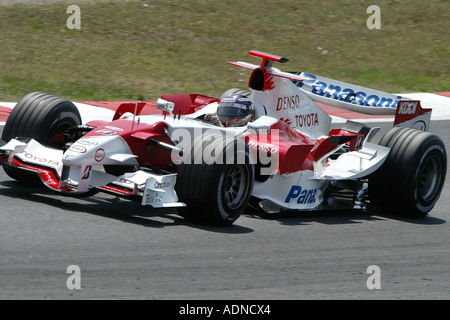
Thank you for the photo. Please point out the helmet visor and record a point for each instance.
(232, 110)
(236, 121)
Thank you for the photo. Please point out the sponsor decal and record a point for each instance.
(339, 91)
(262, 147)
(307, 120)
(87, 142)
(125, 181)
(301, 195)
(162, 185)
(106, 132)
(114, 128)
(288, 102)
(48, 178)
(34, 158)
(303, 120)
(86, 173)
(407, 107)
(99, 155)
(79, 149)
(149, 199)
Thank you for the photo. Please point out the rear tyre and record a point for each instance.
(411, 180)
(216, 192)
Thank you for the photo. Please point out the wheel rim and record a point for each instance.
(236, 182)
(430, 179)
(60, 134)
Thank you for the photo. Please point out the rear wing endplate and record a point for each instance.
(410, 114)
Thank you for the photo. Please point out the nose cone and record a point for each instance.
(81, 152)
(95, 151)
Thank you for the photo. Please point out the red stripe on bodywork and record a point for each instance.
(445, 94)
(4, 113)
(149, 107)
(116, 190)
(48, 177)
(186, 103)
(267, 56)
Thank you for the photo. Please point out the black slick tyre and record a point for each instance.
(410, 181)
(46, 119)
(215, 189)
(43, 117)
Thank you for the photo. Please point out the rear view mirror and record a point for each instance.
(165, 105)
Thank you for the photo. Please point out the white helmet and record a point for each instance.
(235, 110)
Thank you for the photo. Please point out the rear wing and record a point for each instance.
(265, 81)
(256, 81)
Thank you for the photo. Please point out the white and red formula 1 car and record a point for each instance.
(287, 158)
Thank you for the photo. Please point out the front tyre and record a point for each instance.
(216, 192)
(45, 118)
(411, 179)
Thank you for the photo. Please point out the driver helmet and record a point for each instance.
(235, 110)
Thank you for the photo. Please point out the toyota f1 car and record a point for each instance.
(287, 158)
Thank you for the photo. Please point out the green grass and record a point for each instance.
(128, 50)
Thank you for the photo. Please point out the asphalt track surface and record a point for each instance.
(125, 251)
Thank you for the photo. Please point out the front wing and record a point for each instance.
(28, 161)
